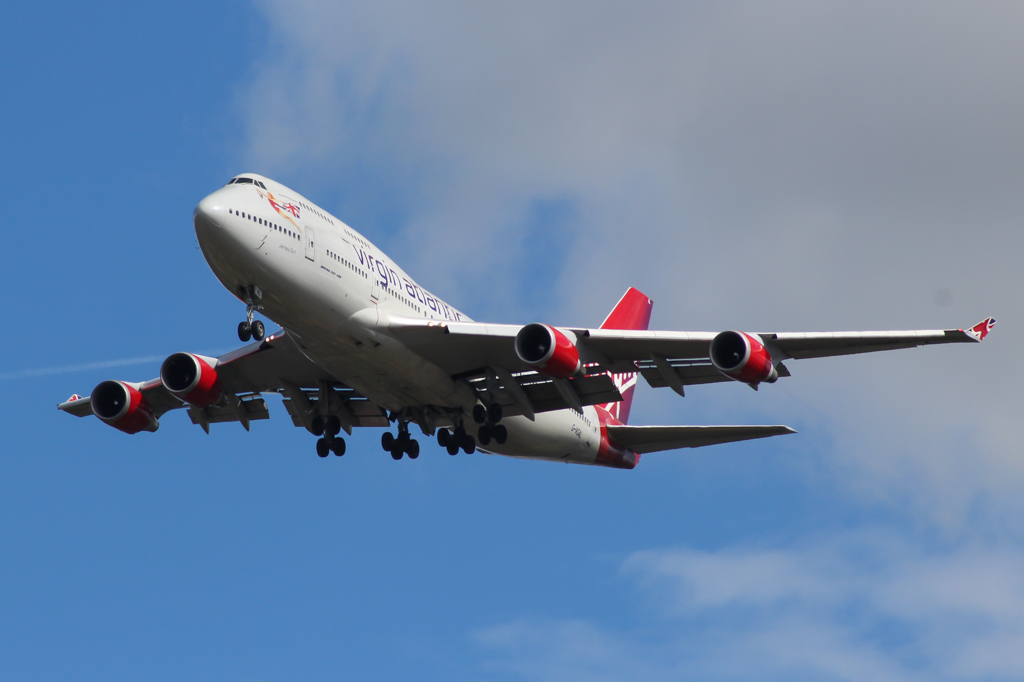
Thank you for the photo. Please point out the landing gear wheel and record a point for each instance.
(459, 435)
(322, 448)
(444, 436)
(469, 445)
(479, 414)
(387, 441)
(258, 330)
(494, 413)
(500, 434)
(412, 448)
(333, 426)
(317, 426)
(338, 446)
(484, 435)
(452, 447)
(396, 452)
(244, 332)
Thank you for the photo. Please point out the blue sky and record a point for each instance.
(767, 169)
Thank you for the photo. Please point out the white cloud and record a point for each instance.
(783, 166)
(864, 606)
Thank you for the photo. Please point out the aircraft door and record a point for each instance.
(310, 244)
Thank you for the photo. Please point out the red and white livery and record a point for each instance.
(364, 345)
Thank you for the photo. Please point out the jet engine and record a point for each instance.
(742, 357)
(547, 350)
(192, 379)
(123, 407)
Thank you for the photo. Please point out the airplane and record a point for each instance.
(362, 344)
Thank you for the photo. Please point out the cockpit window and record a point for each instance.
(261, 184)
(243, 181)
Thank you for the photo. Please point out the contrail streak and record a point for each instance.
(68, 369)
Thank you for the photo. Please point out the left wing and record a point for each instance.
(274, 365)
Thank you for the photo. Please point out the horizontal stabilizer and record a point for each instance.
(643, 439)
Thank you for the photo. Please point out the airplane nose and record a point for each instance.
(209, 214)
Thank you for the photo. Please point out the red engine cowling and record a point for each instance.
(547, 350)
(123, 407)
(191, 379)
(742, 357)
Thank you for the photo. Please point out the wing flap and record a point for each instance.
(644, 439)
(363, 412)
(255, 408)
(541, 392)
(690, 372)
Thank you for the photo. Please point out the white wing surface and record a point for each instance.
(467, 348)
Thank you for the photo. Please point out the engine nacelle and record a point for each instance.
(742, 357)
(547, 350)
(123, 407)
(192, 379)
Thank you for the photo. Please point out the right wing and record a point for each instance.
(643, 439)
(665, 358)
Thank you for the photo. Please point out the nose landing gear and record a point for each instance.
(250, 328)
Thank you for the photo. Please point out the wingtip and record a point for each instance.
(979, 331)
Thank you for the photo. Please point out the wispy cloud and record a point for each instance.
(767, 167)
(859, 606)
(88, 366)
(84, 367)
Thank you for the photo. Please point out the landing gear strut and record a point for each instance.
(329, 444)
(455, 440)
(250, 328)
(488, 417)
(329, 429)
(402, 444)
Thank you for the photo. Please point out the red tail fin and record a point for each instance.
(633, 311)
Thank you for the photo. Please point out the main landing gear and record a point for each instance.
(490, 429)
(455, 440)
(251, 328)
(403, 444)
(330, 442)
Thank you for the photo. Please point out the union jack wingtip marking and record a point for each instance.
(979, 331)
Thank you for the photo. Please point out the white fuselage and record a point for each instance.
(329, 286)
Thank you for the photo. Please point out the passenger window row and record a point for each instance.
(357, 238)
(348, 264)
(266, 223)
(323, 216)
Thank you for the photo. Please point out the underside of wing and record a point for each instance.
(274, 365)
(529, 393)
(690, 372)
(804, 345)
(643, 439)
(466, 348)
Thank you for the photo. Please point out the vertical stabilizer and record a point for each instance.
(633, 311)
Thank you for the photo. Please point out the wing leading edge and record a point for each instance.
(465, 348)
